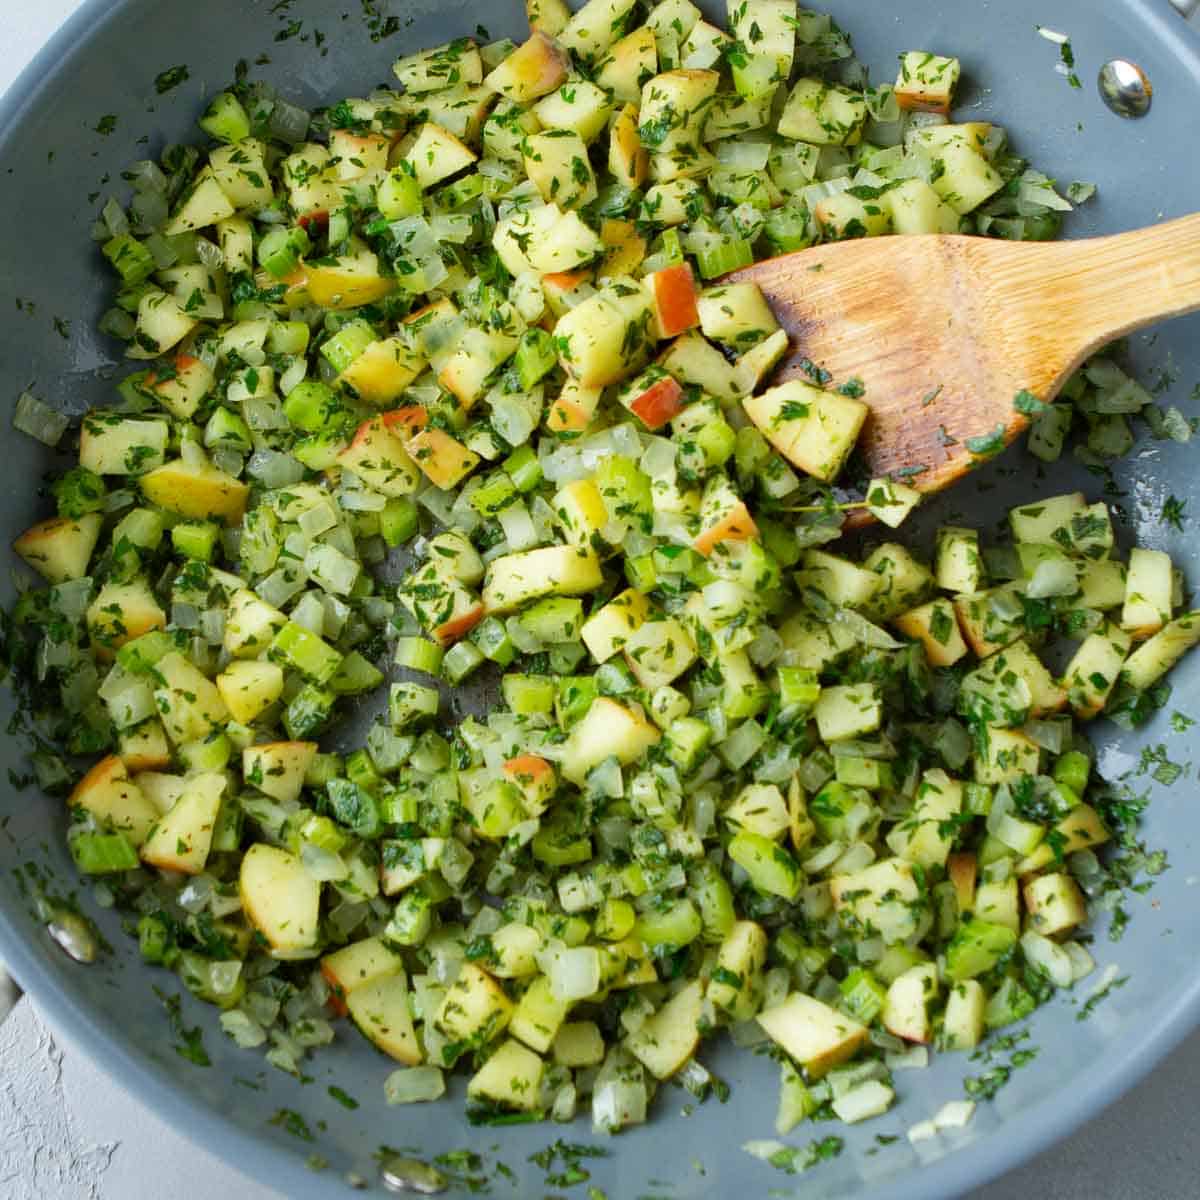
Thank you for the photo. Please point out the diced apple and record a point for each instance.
(199, 492)
(348, 281)
(581, 511)
(724, 517)
(160, 789)
(478, 354)
(563, 248)
(280, 899)
(379, 457)
(536, 780)
(313, 190)
(823, 114)
(607, 337)
(1148, 591)
(736, 314)
(241, 170)
(205, 203)
(816, 1036)
(625, 247)
(627, 158)
(436, 154)
(144, 747)
(355, 966)
(382, 371)
(916, 208)
(573, 409)
(514, 579)
(438, 67)
(182, 838)
(533, 69)
(659, 651)
(250, 624)
(108, 793)
(935, 626)
(181, 390)
(380, 1009)
(579, 105)
(812, 428)
(669, 1038)
(594, 27)
(250, 688)
(674, 294)
(188, 702)
(883, 896)
(475, 1009)
(278, 768)
(110, 444)
(926, 82)
(122, 612)
(358, 155)
(628, 65)
(1054, 904)
(61, 548)
(654, 397)
(443, 460)
(1156, 656)
(961, 870)
(607, 730)
(547, 16)
(906, 1005)
(693, 360)
(511, 1078)
(606, 631)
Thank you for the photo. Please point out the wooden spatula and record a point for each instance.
(944, 331)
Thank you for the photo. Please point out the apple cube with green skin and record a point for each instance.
(514, 579)
(355, 966)
(196, 491)
(535, 68)
(60, 548)
(607, 730)
(816, 1036)
(188, 702)
(475, 1009)
(115, 445)
(669, 1038)
(511, 1078)
(182, 838)
(380, 1009)
(108, 793)
(280, 899)
(278, 768)
(814, 429)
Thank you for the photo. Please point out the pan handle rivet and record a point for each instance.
(1125, 88)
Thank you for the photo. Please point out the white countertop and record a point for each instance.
(67, 1132)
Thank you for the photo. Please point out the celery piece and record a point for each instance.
(129, 258)
(225, 119)
(399, 520)
(675, 924)
(615, 920)
(523, 468)
(419, 654)
(102, 853)
(573, 697)
(288, 337)
(281, 250)
(409, 703)
(640, 572)
(714, 898)
(870, 773)
(536, 357)
(309, 654)
(770, 867)
(227, 831)
(1009, 1003)
(565, 657)
(553, 619)
(354, 675)
(211, 754)
(141, 655)
(340, 350)
(195, 539)
(626, 491)
(862, 995)
(156, 942)
(79, 492)
(798, 691)
(312, 406)
(492, 640)
(976, 948)
(309, 712)
(685, 742)
(495, 493)
(528, 694)
(353, 807)
(614, 678)
(1073, 769)
(558, 843)
(411, 921)
(399, 194)
(719, 258)
(462, 659)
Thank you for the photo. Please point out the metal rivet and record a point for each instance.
(72, 934)
(1125, 88)
(412, 1175)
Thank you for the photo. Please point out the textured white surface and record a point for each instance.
(67, 1132)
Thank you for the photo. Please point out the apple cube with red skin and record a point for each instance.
(378, 456)
(61, 548)
(654, 398)
(673, 293)
(724, 517)
(108, 793)
(444, 461)
(573, 409)
(566, 289)
(536, 780)
(181, 392)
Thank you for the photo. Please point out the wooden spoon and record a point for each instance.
(944, 331)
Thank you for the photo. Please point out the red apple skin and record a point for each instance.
(526, 764)
(459, 627)
(658, 403)
(737, 526)
(336, 1002)
(407, 421)
(675, 300)
(320, 218)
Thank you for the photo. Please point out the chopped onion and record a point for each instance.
(414, 1085)
(39, 420)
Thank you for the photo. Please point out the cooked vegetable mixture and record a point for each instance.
(471, 331)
